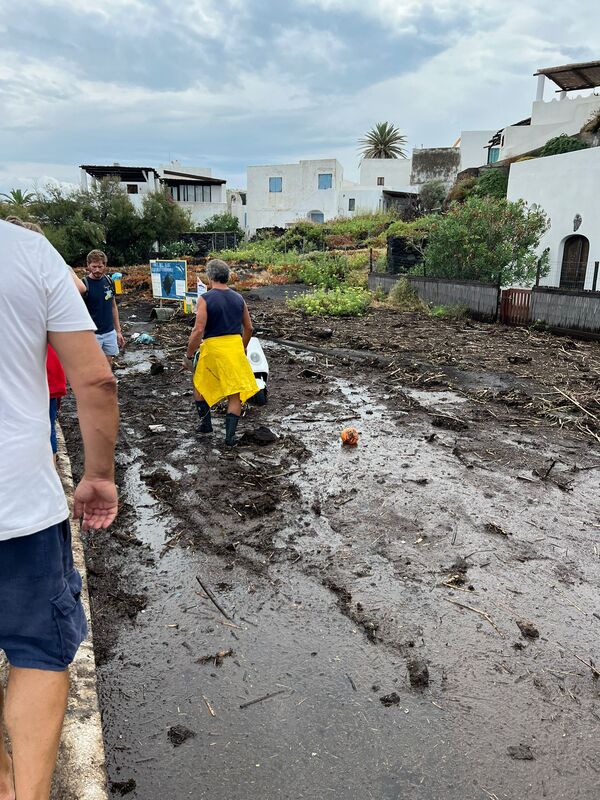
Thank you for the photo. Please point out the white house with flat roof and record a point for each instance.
(565, 187)
(550, 118)
(192, 188)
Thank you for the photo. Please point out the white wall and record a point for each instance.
(473, 151)
(367, 199)
(549, 119)
(563, 186)
(299, 196)
(395, 171)
(200, 212)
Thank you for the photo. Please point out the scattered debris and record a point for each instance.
(449, 423)
(491, 527)
(418, 673)
(520, 752)
(157, 369)
(123, 787)
(528, 629)
(457, 573)
(143, 338)
(178, 734)
(157, 428)
(261, 436)
(389, 700)
(217, 658)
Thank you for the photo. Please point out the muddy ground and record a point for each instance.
(416, 617)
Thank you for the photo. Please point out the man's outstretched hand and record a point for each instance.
(96, 502)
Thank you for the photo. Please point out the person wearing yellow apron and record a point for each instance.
(222, 331)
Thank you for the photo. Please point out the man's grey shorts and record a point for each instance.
(108, 343)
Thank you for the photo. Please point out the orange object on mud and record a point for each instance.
(349, 437)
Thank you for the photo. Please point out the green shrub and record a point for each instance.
(404, 297)
(433, 194)
(487, 240)
(449, 312)
(562, 144)
(260, 253)
(491, 183)
(327, 270)
(348, 301)
(221, 223)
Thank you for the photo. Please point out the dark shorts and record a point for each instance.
(42, 622)
(53, 415)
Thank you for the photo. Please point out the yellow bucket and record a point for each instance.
(118, 286)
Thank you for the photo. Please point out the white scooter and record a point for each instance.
(260, 368)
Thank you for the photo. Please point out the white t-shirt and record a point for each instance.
(37, 295)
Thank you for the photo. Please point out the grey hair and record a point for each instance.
(217, 271)
(15, 221)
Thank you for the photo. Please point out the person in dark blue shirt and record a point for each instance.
(99, 298)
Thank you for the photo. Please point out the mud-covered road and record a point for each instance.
(417, 617)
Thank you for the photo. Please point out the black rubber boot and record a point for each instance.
(203, 410)
(231, 423)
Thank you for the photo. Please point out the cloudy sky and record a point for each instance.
(227, 83)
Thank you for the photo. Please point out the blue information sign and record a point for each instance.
(169, 279)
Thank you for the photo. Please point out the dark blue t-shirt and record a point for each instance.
(99, 302)
(225, 311)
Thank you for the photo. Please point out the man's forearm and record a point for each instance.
(116, 320)
(99, 422)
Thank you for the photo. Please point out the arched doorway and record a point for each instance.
(574, 262)
(316, 216)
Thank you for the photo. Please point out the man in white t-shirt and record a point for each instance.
(42, 622)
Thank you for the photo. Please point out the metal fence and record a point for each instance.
(204, 243)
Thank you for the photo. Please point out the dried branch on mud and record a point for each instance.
(478, 611)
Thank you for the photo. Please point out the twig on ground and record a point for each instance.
(211, 710)
(575, 403)
(481, 613)
(213, 599)
(261, 699)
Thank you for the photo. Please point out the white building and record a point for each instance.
(566, 188)
(563, 114)
(192, 188)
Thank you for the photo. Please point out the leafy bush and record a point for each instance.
(348, 301)
(491, 183)
(178, 249)
(562, 144)
(404, 297)
(221, 223)
(433, 194)
(324, 269)
(462, 189)
(261, 253)
(487, 240)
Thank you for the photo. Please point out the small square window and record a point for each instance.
(325, 180)
(380, 181)
(275, 184)
(352, 204)
(132, 188)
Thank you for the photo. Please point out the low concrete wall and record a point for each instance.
(480, 298)
(579, 311)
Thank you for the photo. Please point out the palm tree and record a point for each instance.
(17, 197)
(383, 141)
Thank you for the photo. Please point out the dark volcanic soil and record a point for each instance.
(411, 569)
